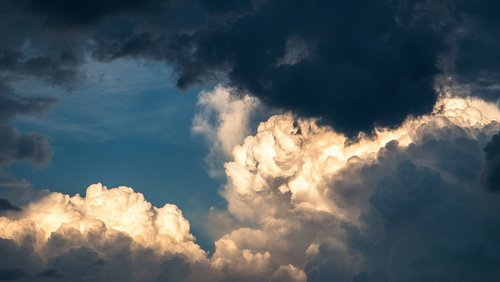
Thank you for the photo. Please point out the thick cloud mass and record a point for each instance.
(116, 235)
(412, 201)
(491, 173)
(109, 234)
(305, 202)
(405, 205)
(478, 47)
(327, 59)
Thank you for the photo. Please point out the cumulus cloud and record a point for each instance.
(79, 238)
(402, 205)
(224, 121)
(305, 201)
(405, 204)
(120, 209)
(116, 235)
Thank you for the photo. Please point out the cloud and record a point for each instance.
(77, 238)
(86, 12)
(11, 273)
(402, 205)
(11, 105)
(116, 235)
(490, 175)
(325, 58)
(304, 203)
(224, 121)
(20, 147)
(318, 59)
(14, 145)
(304, 200)
(120, 209)
(5, 205)
(478, 43)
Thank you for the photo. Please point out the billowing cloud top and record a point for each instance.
(373, 173)
(306, 202)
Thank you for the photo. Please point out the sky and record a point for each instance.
(249, 140)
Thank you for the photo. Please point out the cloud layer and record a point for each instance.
(318, 59)
(413, 197)
(305, 202)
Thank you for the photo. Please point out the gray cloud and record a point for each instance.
(490, 176)
(5, 205)
(395, 211)
(12, 274)
(379, 58)
(16, 146)
(478, 46)
(19, 147)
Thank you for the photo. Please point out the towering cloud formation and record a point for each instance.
(309, 201)
(403, 205)
(398, 206)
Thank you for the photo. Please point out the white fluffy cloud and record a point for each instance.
(304, 202)
(315, 195)
(101, 226)
(298, 159)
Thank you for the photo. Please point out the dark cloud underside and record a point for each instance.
(490, 176)
(478, 45)
(326, 59)
(5, 205)
(354, 64)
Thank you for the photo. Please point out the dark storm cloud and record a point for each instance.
(51, 273)
(490, 176)
(12, 274)
(326, 59)
(81, 12)
(57, 70)
(17, 261)
(355, 65)
(478, 46)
